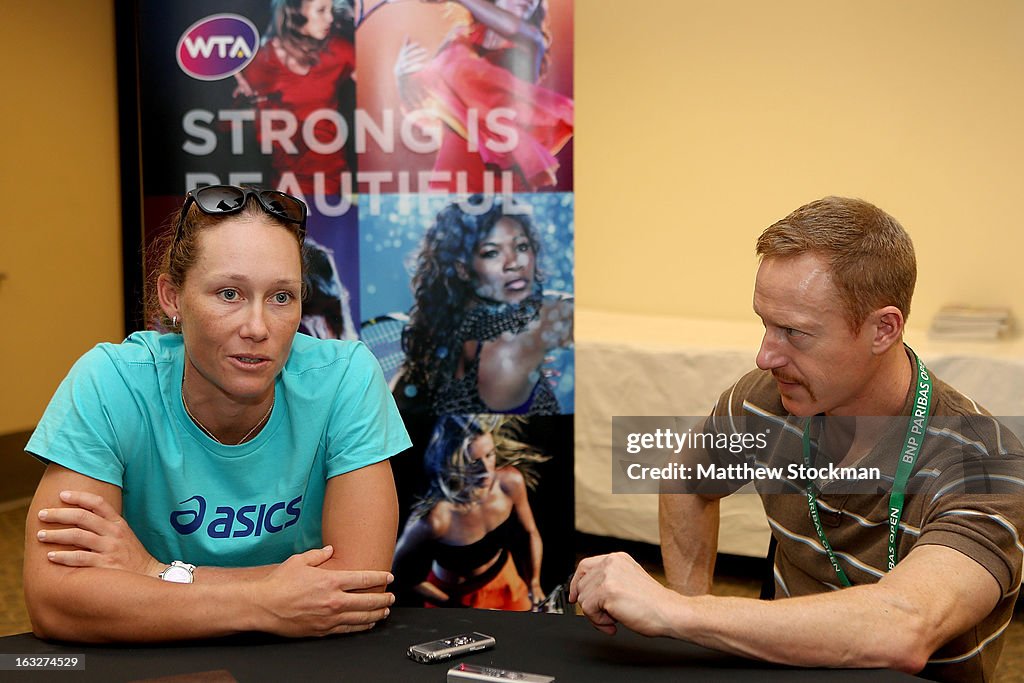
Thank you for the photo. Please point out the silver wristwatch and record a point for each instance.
(179, 572)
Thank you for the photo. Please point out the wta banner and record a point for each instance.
(432, 142)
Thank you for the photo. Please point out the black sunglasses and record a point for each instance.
(214, 200)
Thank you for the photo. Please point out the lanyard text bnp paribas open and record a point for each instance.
(917, 426)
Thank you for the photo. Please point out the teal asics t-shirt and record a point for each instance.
(118, 417)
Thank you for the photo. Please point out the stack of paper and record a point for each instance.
(971, 323)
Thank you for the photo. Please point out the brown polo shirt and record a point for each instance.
(966, 492)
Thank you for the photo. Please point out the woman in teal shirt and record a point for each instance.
(226, 476)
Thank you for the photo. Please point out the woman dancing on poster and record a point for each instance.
(481, 325)
(478, 477)
(493, 63)
(301, 68)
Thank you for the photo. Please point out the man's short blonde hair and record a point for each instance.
(870, 255)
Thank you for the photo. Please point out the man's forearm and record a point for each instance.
(862, 627)
(833, 630)
(689, 541)
(932, 596)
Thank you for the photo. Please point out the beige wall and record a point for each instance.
(60, 244)
(699, 124)
(702, 122)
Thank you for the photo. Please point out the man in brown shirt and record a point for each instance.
(924, 583)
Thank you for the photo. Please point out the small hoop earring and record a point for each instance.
(174, 321)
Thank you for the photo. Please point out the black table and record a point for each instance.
(565, 647)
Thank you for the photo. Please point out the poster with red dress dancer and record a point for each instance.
(470, 96)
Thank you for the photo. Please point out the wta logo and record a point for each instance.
(218, 46)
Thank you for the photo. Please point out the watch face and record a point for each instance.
(176, 574)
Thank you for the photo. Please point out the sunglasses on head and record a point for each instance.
(215, 200)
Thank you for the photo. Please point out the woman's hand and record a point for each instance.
(102, 536)
(412, 57)
(433, 594)
(299, 598)
(243, 89)
(536, 592)
(318, 327)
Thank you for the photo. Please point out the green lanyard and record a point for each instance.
(917, 426)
